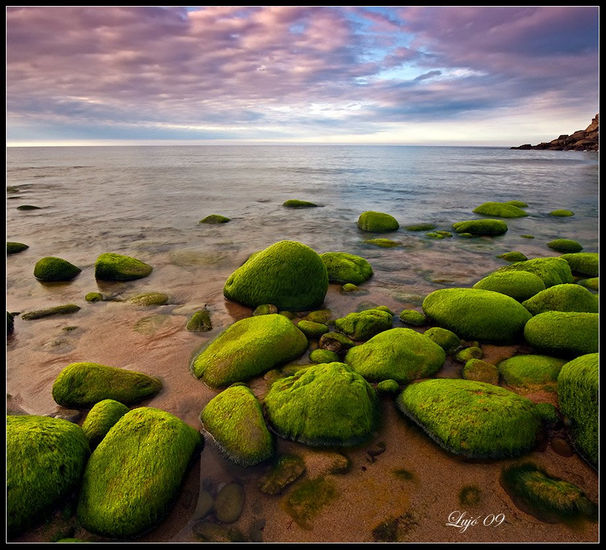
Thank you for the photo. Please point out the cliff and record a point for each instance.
(581, 140)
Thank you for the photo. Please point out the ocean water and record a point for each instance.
(147, 202)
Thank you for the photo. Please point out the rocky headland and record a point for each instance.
(581, 140)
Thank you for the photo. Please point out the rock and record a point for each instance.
(319, 316)
(287, 468)
(235, 421)
(513, 256)
(117, 267)
(583, 263)
(323, 356)
(51, 269)
(420, 227)
(377, 222)
(565, 245)
(526, 371)
(199, 321)
(383, 243)
(56, 310)
(45, 459)
(402, 354)
(445, 338)
(287, 274)
(520, 285)
(486, 226)
(94, 297)
(552, 271)
(563, 333)
(349, 287)
(343, 267)
(307, 499)
(101, 418)
(471, 352)
(209, 531)
(500, 210)
(561, 213)
(472, 419)
(10, 323)
(388, 386)
(82, 385)
(296, 203)
(247, 348)
(229, 503)
(205, 504)
(581, 140)
(561, 447)
(565, 297)
(133, 476)
(578, 398)
(149, 299)
(28, 207)
(413, 317)
(477, 314)
(335, 342)
(265, 309)
(365, 324)
(14, 247)
(592, 283)
(481, 371)
(311, 329)
(548, 413)
(518, 203)
(324, 405)
(214, 219)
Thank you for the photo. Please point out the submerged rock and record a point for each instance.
(229, 502)
(420, 227)
(500, 210)
(149, 299)
(56, 310)
(199, 321)
(383, 243)
(343, 267)
(306, 500)
(565, 297)
(214, 219)
(486, 226)
(101, 418)
(117, 267)
(377, 222)
(561, 213)
(363, 325)
(287, 468)
(563, 333)
(520, 285)
(52, 269)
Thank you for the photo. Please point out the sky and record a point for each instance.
(450, 75)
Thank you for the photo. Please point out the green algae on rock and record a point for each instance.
(306, 500)
(420, 226)
(101, 418)
(265, 309)
(118, 267)
(82, 385)
(563, 333)
(133, 476)
(45, 459)
(470, 352)
(561, 213)
(552, 270)
(520, 285)
(364, 324)
(335, 341)
(565, 245)
(311, 329)
(565, 297)
(247, 348)
(477, 314)
(388, 386)
(518, 203)
(583, 263)
(149, 299)
(481, 371)
(527, 371)
(343, 267)
(472, 419)
(94, 297)
(383, 243)
(296, 203)
(286, 469)
(593, 283)
(47, 312)
(323, 356)
(500, 210)
(51, 269)
(413, 317)
(402, 354)
(214, 219)
(14, 247)
(349, 287)
(445, 338)
(235, 421)
(287, 274)
(199, 321)
(28, 207)
(487, 226)
(377, 222)
(324, 405)
(513, 256)
(578, 397)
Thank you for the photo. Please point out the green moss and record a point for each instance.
(265, 309)
(133, 476)
(335, 341)
(500, 210)
(343, 267)
(526, 236)
(51, 269)
(420, 227)
(481, 371)
(583, 263)
(149, 299)
(82, 385)
(94, 297)
(413, 317)
(470, 495)
(323, 356)
(566, 297)
(434, 235)
(235, 421)
(520, 285)
(383, 243)
(101, 418)
(513, 256)
(214, 219)
(363, 325)
(547, 412)
(565, 245)
(552, 271)
(487, 227)
(445, 338)
(527, 371)
(472, 419)
(562, 212)
(388, 386)
(578, 398)
(319, 316)
(248, 348)
(477, 314)
(349, 287)
(402, 354)
(14, 248)
(285, 470)
(593, 283)
(518, 203)
(199, 321)
(345, 415)
(287, 274)
(57, 310)
(311, 329)
(304, 503)
(563, 333)
(117, 267)
(45, 459)
(28, 207)
(377, 222)
(296, 203)
(471, 352)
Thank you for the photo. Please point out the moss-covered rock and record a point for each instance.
(593, 283)
(552, 271)
(445, 338)
(52, 269)
(420, 227)
(470, 418)
(214, 219)
(101, 418)
(520, 285)
(485, 226)
(563, 333)
(527, 371)
(296, 203)
(323, 356)
(527, 236)
(93, 297)
(47, 312)
(383, 243)
(335, 341)
(149, 299)
(377, 222)
(14, 247)
(133, 476)
(578, 398)
(82, 385)
(513, 256)
(413, 317)
(399, 353)
(248, 348)
(319, 316)
(311, 329)
(388, 386)
(583, 263)
(287, 274)
(364, 324)
(45, 459)
(561, 213)
(548, 413)
(566, 297)
(565, 245)
(265, 309)
(477, 314)
(28, 207)
(500, 210)
(466, 354)
(118, 267)
(324, 405)
(481, 371)
(199, 321)
(235, 421)
(518, 203)
(343, 267)
(285, 470)
(349, 287)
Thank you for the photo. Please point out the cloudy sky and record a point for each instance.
(217, 74)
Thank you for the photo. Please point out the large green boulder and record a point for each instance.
(563, 333)
(323, 405)
(82, 385)
(377, 222)
(51, 269)
(235, 421)
(565, 297)
(248, 348)
(45, 459)
(133, 476)
(529, 370)
(552, 271)
(472, 419)
(101, 418)
(344, 268)
(485, 226)
(287, 274)
(578, 397)
(364, 324)
(500, 210)
(520, 285)
(402, 354)
(117, 267)
(583, 263)
(477, 314)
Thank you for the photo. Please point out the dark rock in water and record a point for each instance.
(149, 299)
(94, 297)
(295, 203)
(28, 207)
(215, 218)
(14, 247)
(285, 471)
(10, 323)
(581, 140)
(229, 503)
(200, 321)
(308, 498)
(57, 310)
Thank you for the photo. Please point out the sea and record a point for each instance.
(148, 201)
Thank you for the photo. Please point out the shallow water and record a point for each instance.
(147, 202)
